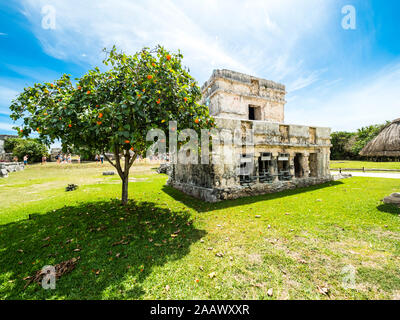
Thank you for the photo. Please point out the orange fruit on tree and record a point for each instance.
(132, 149)
(158, 101)
(100, 115)
(127, 141)
(149, 77)
(168, 57)
(98, 122)
(70, 125)
(88, 92)
(197, 120)
(186, 99)
(79, 87)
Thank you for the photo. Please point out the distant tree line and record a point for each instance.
(20, 147)
(347, 145)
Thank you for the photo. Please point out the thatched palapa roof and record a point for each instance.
(386, 143)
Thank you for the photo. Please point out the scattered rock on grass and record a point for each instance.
(71, 187)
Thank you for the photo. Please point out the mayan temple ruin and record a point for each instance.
(274, 157)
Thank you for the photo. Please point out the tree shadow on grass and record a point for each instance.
(118, 248)
(389, 208)
(202, 206)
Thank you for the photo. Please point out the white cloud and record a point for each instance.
(371, 101)
(6, 95)
(260, 37)
(293, 42)
(6, 126)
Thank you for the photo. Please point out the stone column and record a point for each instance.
(291, 164)
(320, 164)
(306, 165)
(274, 166)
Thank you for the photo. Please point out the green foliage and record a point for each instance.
(9, 144)
(341, 146)
(365, 135)
(114, 110)
(20, 147)
(347, 145)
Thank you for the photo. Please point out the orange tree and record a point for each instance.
(112, 111)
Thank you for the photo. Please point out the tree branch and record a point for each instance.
(110, 161)
(118, 161)
(132, 159)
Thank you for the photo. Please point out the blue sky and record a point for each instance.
(334, 77)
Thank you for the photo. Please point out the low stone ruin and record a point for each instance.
(7, 167)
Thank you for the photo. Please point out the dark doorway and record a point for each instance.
(252, 113)
(264, 164)
(246, 174)
(298, 167)
(284, 167)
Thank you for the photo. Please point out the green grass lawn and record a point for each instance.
(336, 164)
(164, 239)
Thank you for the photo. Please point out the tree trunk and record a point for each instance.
(125, 182)
(123, 174)
(125, 179)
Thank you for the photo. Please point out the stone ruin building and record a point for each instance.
(3, 155)
(280, 156)
(6, 164)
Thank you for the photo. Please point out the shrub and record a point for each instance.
(20, 147)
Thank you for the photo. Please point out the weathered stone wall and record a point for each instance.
(221, 180)
(2, 146)
(3, 155)
(297, 156)
(201, 175)
(234, 192)
(7, 167)
(6, 157)
(229, 94)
